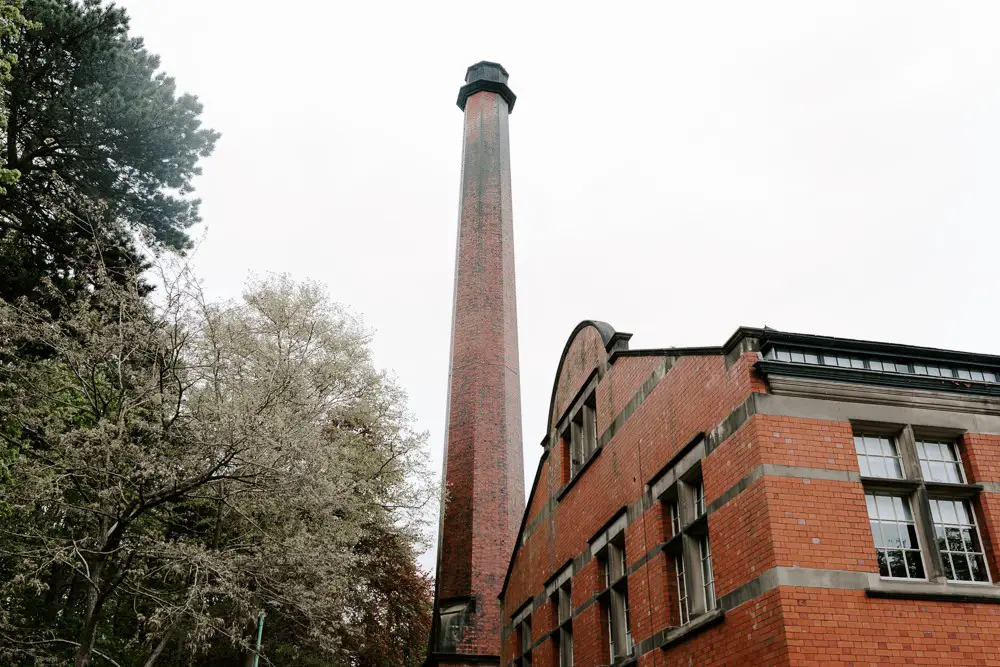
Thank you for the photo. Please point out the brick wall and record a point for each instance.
(784, 495)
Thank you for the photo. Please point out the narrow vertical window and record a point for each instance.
(699, 498)
(675, 520)
(682, 593)
(707, 577)
(564, 620)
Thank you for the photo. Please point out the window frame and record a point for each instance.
(560, 592)
(580, 435)
(919, 492)
(686, 524)
(609, 549)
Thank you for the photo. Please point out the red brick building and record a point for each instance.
(783, 499)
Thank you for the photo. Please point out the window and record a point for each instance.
(708, 579)
(895, 537)
(939, 462)
(878, 457)
(614, 602)
(958, 540)
(581, 435)
(522, 623)
(920, 507)
(689, 546)
(682, 591)
(561, 593)
(881, 365)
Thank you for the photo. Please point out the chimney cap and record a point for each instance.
(486, 76)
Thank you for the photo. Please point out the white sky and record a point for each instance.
(679, 168)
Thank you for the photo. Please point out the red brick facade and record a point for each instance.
(796, 577)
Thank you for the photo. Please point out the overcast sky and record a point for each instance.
(679, 168)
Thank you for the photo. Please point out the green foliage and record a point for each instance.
(12, 23)
(90, 117)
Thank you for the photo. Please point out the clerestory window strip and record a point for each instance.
(881, 364)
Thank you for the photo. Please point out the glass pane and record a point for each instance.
(915, 564)
(891, 533)
(883, 564)
(857, 363)
(934, 371)
(783, 355)
(910, 536)
(935, 511)
(962, 510)
(877, 533)
(859, 445)
(990, 376)
(948, 514)
(949, 571)
(877, 466)
(798, 357)
(979, 568)
(978, 375)
(962, 570)
(954, 474)
(925, 470)
(968, 540)
(863, 465)
(875, 364)
(919, 369)
(884, 504)
(897, 565)
(888, 446)
(954, 539)
(870, 501)
(963, 373)
(895, 468)
(811, 358)
(829, 360)
(939, 472)
(902, 509)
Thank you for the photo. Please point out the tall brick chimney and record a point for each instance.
(483, 498)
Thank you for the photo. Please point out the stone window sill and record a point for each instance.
(698, 625)
(927, 590)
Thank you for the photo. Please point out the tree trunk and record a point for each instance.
(159, 648)
(95, 602)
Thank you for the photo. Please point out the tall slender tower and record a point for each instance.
(483, 498)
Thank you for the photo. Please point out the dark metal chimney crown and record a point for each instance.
(489, 77)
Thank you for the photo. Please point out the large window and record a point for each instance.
(921, 509)
(581, 435)
(560, 591)
(610, 550)
(689, 546)
(522, 626)
(895, 534)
